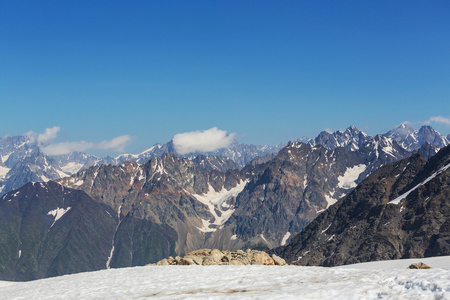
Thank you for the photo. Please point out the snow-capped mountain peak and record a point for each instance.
(412, 139)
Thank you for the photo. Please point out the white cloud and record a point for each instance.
(435, 119)
(32, 136)
(49, 135)
(44, 141)
(440, 119)
(118, 143)
(202, 140)
(66, 147)
(44, 138)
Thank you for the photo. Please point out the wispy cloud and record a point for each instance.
(118, 143)
(440, 119)
(44, 138)
(45, 142)
(66, 147)
(435, 119)
(202, 140)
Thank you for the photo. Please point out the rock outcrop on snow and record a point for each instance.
(207, 257)
(419, 265)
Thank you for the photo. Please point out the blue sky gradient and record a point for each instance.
(269, 71)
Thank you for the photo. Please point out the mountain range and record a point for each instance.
(132, 213)
(22, 161)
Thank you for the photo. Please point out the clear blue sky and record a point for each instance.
(269, 71)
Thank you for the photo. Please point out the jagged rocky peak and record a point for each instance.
(351, 139)
(405, 136)
(427, 134)
(383, 145)
(381, 150)
(400, 211)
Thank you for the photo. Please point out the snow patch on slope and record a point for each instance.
(71, 167)
(389, 149)
(5, 157)
(215, 201)
(3, 172)
(58, 213)
(347, 180)
(79, 182)
(330, 200)
(404, 195)
(285, 238)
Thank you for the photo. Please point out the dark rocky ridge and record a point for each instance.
(364, 226)
(428, 150)
(48, 230)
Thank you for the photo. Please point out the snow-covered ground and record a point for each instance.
(380, 280)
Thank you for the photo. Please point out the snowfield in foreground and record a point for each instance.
(378, 280)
